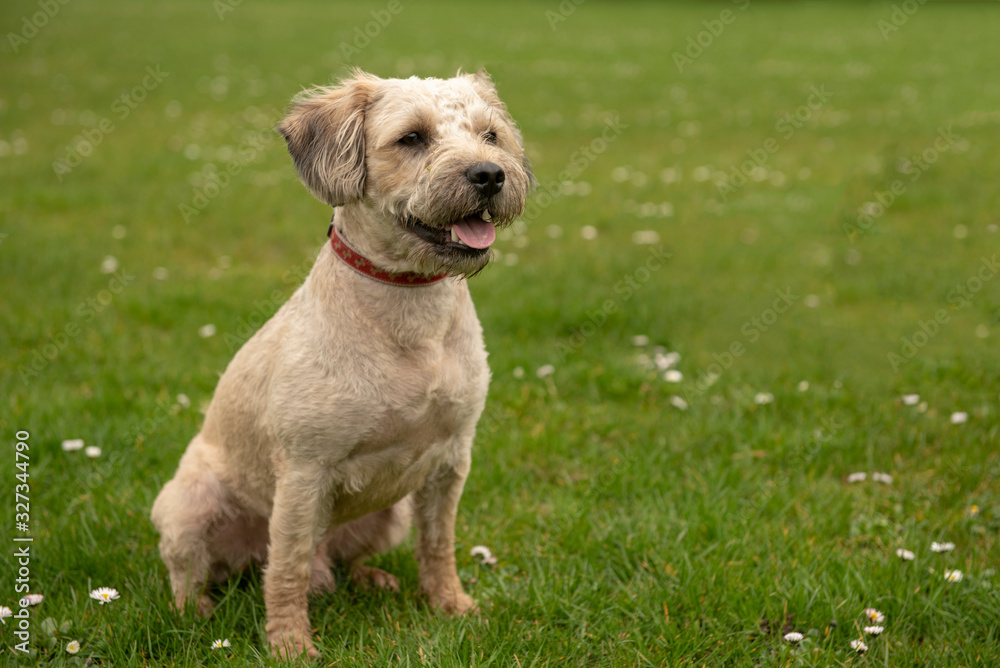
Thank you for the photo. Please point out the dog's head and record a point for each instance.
(425, 169)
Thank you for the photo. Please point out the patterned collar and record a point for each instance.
(363, 266)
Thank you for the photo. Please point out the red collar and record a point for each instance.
(360, 264)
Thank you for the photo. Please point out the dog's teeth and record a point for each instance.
(486, 216)
(454, 235)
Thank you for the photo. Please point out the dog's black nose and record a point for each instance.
(487, 177)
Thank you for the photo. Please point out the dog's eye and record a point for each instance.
(412, 139)
(490, 138)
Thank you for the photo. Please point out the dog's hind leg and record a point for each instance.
(380, 531)
(185, 512)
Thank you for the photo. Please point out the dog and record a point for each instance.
(352, 411)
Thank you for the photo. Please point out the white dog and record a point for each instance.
(354, 408)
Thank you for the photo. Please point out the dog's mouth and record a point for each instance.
(472, 235)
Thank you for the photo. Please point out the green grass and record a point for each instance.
(628, 532)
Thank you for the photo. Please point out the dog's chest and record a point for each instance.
(430, 401)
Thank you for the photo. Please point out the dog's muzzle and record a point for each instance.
(474, 233)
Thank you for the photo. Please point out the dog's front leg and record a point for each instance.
(296, 527)
(436, 505)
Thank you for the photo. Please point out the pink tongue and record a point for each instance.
(475, 232)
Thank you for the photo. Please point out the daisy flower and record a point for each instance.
(953, 576)
(874, 616)
(859, 646)
(104, 595)
(5, 612)
(803, 386)
(73, 646)
(860, 476)
(874, 630)
(942, 547)
(545, 371)
(673, 376)
(484, 553)
(678, 402)
(206, 331)
(31, 599)
(219, 644)
(882, 477)
(794, 637)
(973, 510)
(911, 399)
(762, 398)
(959, 418)
(72, 444)
(92, 451)
(905, 555)
(640, 340)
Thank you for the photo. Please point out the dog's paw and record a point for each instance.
(454, 603)
(368, 578)
(291, 645)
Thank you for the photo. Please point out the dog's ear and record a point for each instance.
(325, 133)
(486, 89)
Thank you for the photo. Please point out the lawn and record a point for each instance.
(796, 198)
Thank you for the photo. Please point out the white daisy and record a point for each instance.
(31, 599)
(911, 399)
(104, 595)
(953, 576)
(219, 644)
(859, 646)
(803, 385)
(545, 371)
(484, 553)
(678, 402)
(942, 547)
(762, 398)
(959, 418)
(666, 360)
(5, 612)
(905, 555)
(109, 264)
(640, 340)
(72, 444)
(874, 616)
(882, 477)
(518, 372)
(588, 232)
(874, 630)
(206, 331)
(73, 646)
(794, 637)
(92, 451)
(860, 476)
(673, 376)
